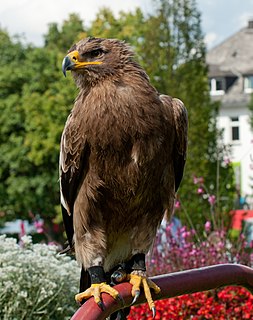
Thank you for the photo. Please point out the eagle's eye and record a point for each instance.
(96, 53)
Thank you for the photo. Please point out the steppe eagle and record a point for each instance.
(122, 157)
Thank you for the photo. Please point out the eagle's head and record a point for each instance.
(95, 59)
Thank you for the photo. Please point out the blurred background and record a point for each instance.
(200, 51)
(219, 19)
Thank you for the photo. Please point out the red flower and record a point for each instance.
(228, 303)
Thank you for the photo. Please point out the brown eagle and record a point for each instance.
(122, 157)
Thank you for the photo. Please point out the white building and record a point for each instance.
(231, 83)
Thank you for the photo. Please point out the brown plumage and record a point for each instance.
(122, 156)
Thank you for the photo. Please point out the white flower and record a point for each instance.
(34, 278)
(26, 240)
(23, 294)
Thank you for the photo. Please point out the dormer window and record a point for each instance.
(217, 86)
(248, 84)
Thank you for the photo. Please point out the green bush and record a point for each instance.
(35, 281)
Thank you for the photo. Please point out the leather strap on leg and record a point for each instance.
(97, 274)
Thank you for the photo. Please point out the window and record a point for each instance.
(217, 86)
(235, 129)
(248, 84)
(235, 133)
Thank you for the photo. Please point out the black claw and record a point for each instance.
(136, 296)
(121, 315)
(153, 312)
(80, 303)
(121, 300)
(101, 305)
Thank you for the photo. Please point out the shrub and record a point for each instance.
(35, 281)
(183, 249)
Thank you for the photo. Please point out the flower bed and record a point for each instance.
(184, 249)
(231, 303)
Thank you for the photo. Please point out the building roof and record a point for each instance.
(233, 58)
(234, 55)
(215, 70)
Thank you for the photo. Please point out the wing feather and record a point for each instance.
(73, 167)
(181, 126)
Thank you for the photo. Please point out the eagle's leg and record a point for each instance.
(98, 285)
(134, 271)
(138, 279)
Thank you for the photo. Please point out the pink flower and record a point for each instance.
(200, 190)
(39, 230)
(39, 226)
(227, 161)
(177, 204)
(211, 199)
(22, 229)
(197, 180)
(168, 227)
(208, 226)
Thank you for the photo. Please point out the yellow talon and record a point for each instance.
(137, 281)
(95, 291)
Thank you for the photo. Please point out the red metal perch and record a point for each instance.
(173, 284)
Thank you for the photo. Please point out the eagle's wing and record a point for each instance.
(181, 126)
(74, 163)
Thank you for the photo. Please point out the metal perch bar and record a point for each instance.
(172, 285)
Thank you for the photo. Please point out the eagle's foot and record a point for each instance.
(95, 291)
(139, 279)
(98, 286)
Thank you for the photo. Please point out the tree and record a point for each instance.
(128, 27)
(250, 106)
(12, 78)
(62, 38)
(34, 106)
(36, 100)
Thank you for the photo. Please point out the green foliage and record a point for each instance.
(62, 38)
(36, 99)
(128, 27)
(35, 281)
(250, 106)
(173, 53)
(35, 103)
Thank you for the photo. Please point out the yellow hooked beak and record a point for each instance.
(72, 62)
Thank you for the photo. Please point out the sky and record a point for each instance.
(220, 18)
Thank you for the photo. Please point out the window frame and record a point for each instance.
(213, 86)
(248, 84)
(234, 123)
